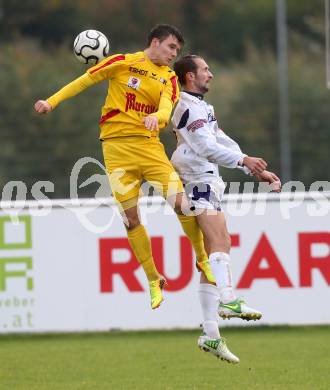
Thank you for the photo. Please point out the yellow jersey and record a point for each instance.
(137, 88)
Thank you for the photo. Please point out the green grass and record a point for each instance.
(271, 358)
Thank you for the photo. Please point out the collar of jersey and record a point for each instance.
(192, 96)
(195, 94)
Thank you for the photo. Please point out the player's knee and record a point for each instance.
(221, 240)
(177, 208)
(132, 222)
(177, 203)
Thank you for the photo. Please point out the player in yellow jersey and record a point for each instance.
(142, 92)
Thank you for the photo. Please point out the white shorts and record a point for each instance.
(204, 190)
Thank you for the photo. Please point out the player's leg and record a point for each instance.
(210, 340)
(192, 230)
(141, 246)
(140, 242)
(158, 171)
(205, 193)
(213, 226)
(125, 180)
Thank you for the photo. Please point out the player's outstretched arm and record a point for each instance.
(42, 107)
(270, 178)
(72, 89)
(255, 164)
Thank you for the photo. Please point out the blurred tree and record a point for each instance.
(246, 102)
(220, 29)
(44, 147)
(237, 38)
(49, 22)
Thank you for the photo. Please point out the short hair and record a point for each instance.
(184, 65)
(162, 31)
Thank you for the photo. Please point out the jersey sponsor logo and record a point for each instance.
(134, 82)
(197, 124)
(211, 118)
(132, 104)
(163, 81)
(141, 72)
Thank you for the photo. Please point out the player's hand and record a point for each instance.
(272, 179)
(151, 122)
(42, 107)
(255, 164)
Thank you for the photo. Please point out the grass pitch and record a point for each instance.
(271, 358)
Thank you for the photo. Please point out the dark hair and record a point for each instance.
(162, 31)
(184, 65)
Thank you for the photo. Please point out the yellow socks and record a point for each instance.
(195, 235)
(141, 246)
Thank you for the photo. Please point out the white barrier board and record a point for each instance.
(66, 270)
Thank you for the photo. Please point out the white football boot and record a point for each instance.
(218, 348)
(238, 309)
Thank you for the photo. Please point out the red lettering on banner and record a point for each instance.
(235, 241)
(186, 266)
(308, 262)
(108, 268)
(264, 251)
(126, 270)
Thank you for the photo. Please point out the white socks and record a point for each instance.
(210, 295)
(209, 300)
(219, 262)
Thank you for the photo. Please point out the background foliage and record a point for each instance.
(237, 38)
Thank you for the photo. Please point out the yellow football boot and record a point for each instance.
(156, 295)
(204, 266)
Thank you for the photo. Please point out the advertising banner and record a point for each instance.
(68, 266)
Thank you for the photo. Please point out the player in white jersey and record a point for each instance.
(201, 147)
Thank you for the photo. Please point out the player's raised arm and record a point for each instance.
(70, 90)
(102, 71)
(42, 107)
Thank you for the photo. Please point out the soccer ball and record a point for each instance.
(91, 47)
